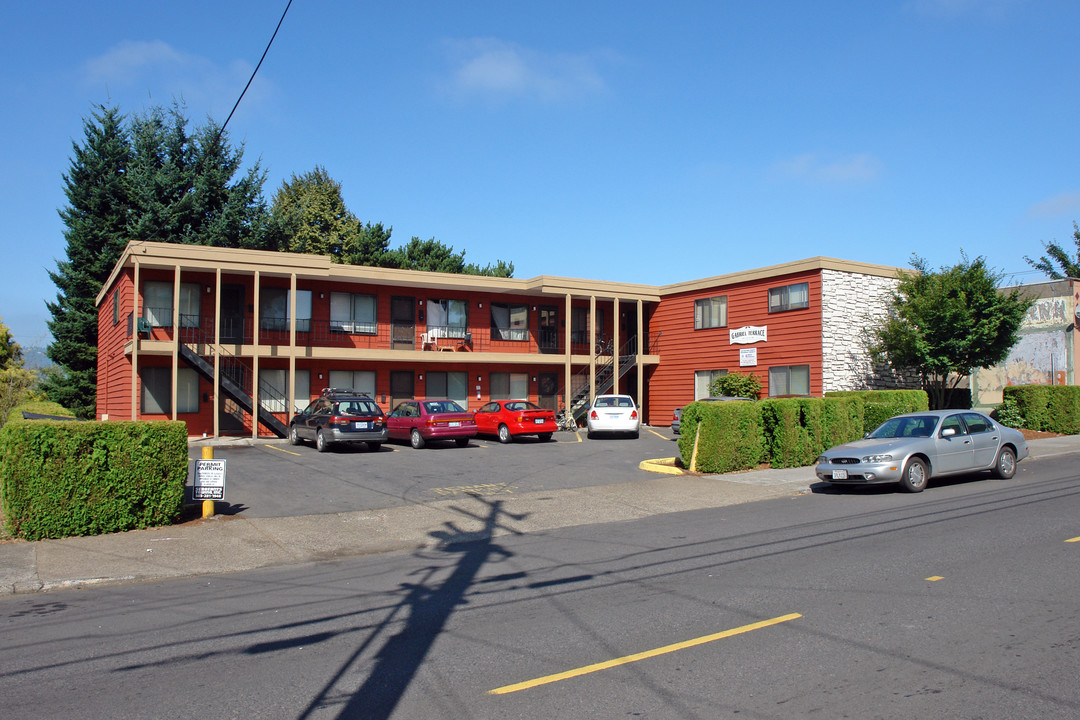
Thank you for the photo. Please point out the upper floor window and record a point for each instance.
(158, 303)
(579, 324)
(710, 312)
(274, 309)
(351, 313)
(449, 317)
(789, 380)
(509, 322)
(789, 297)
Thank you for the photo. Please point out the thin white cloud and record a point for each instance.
(166, 74)
(813, 168)
(495, 69)
(1062, 205)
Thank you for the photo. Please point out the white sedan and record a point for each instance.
(613, 414)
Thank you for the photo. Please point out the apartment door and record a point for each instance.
(402, 323)
(232, 314)
(549, 329)
(401, 387)
(547, 391)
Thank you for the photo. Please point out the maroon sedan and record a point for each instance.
(421, 421)
(510, 418)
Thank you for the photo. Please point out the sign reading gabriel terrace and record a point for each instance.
(749, 334)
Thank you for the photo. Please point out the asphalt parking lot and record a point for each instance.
(275, 479)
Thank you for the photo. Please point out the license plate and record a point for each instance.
(839, 474)
(454, 423)
(539, 421)
(359, 425)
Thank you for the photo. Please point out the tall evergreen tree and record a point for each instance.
(96, 221)
(149, 179)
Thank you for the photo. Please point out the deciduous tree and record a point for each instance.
(942, 324)
(1057, 263)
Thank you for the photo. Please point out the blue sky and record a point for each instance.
(630, 141)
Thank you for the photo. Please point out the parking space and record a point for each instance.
(276, 479)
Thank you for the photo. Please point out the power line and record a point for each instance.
(222, 128)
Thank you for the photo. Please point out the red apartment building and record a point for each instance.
(205, 335)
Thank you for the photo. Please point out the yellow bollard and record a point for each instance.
(208, 505)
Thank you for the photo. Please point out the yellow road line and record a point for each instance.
(662, 437)
(934, 578)
(640, 656)
(280, 449)
(1075, 539)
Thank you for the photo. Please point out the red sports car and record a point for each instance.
(510, 418)
(421, 421)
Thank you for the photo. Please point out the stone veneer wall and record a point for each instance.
(850, 303)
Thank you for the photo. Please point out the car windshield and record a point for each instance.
(358, 407)
(906, 426)
(517, 406)
(436, 407)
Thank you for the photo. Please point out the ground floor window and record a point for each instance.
(448, 386)
(157, 390)
(274, 390)
(789, 380)
(703, 380)
(362, 381)
(509, 386)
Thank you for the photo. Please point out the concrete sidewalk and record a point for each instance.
(224, 544)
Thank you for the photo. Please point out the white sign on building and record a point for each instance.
(748, 334)
(747, 357)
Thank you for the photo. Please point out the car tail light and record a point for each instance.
(339, 420)
(633, 415)
(593, 415)
(431, 422)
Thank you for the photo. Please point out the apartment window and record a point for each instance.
(509, 386)
(579, 324)
(449, 317)
(789, 380)
(703, 380)
(362, 381)
(157, 390)
(710, 312)
(274, 390)
(789, 297)
(509, 322)
(448, 386)
(158, 303)
(351, 313)
(274, 309)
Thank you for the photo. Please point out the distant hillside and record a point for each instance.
(34, 357)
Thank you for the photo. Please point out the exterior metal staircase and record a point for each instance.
(236, 379)
(581, 399)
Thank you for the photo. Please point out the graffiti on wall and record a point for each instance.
(1038, 359)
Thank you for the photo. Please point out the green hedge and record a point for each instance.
(731, 437)
(60, 479)
(785, 432)
(1051, 408)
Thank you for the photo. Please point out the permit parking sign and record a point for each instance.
(209, 480)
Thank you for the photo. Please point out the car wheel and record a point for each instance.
(504, 434)
(462, 442)
(589, 434)
(415, 439)
(294, 436)
(544, 437)
(1005, 466)
(915, 475)
(320, 442)
(374, 447)
(636, 434)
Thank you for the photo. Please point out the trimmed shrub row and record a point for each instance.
(1051, 408)
(61, 479)
(784, 432)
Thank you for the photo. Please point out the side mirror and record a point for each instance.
(948, 432)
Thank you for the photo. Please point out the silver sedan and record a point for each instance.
(910, 449)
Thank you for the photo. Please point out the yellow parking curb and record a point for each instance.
(664, 466)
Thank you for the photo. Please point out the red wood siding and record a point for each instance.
(794, 338)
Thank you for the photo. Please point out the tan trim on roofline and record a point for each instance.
(271, 263)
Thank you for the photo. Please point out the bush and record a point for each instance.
(1051, 408)
(60, 479)
(737, 385)
(730, 438)
(787, 440)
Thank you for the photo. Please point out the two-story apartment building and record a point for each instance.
(206, 335)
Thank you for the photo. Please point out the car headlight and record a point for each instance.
(822, 459)
(876, 458)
